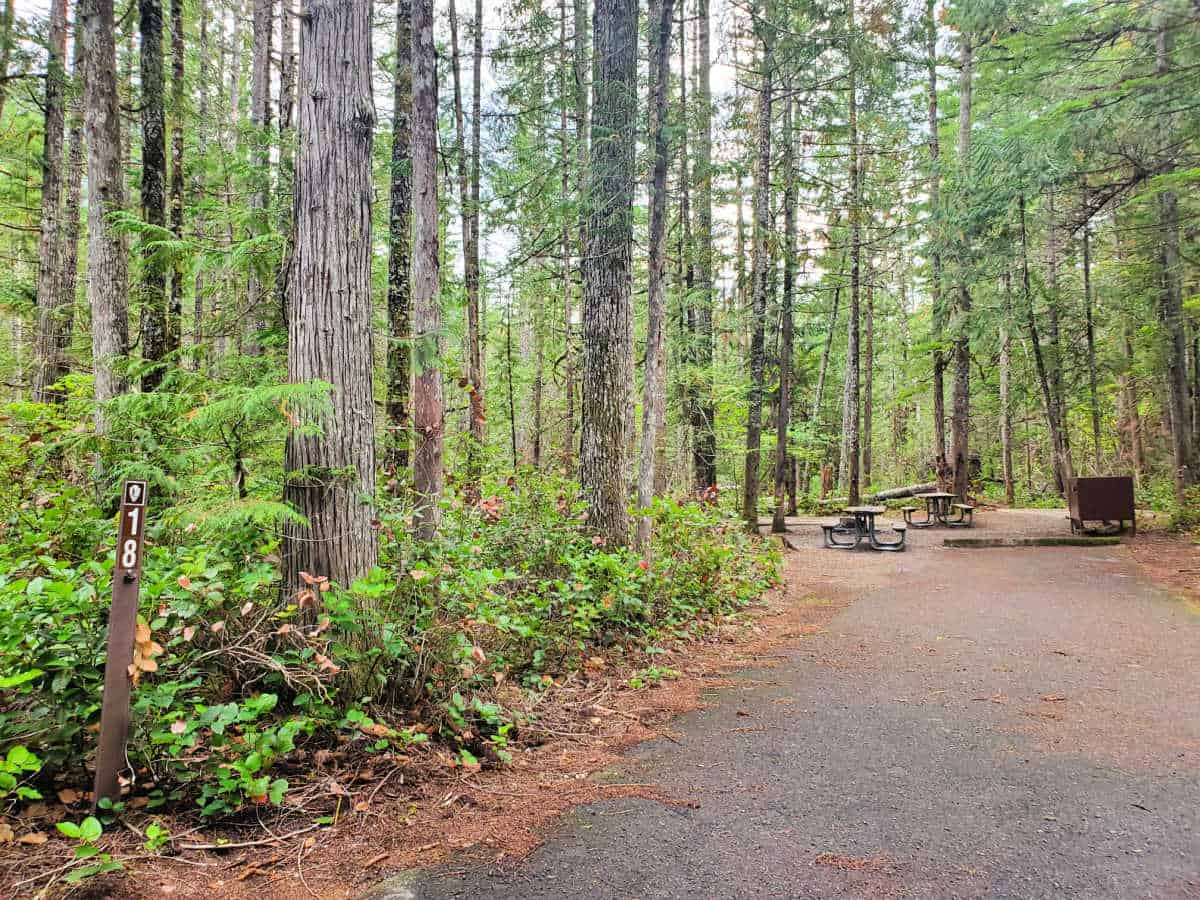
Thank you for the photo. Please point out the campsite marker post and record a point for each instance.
(122, 627)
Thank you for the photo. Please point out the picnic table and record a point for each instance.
(848, 536)
(938, 506)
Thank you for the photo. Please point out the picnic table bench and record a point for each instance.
(859, 525)
(940, 510)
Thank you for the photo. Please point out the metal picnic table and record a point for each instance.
(864, 527)
(937, 511)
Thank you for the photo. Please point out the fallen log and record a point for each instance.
(910, 490)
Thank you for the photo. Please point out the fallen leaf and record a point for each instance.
(6, 833)
(189, 632)
(178, 726)
(67, 796)
(184, 582)
(246, 607)
(33, 838)
(216, 627)
(1053, 698)
(478, 655)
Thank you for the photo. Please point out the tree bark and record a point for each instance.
(868, 404)
(1093, 385)
(960, 424)
(1006, 459)
(155, 346)
(579, 70)
(48, 365)
(69, 251)
(6, 45)
(330, 476)
(468, 197)
(565, 263)
(256, 317)
(285, 188)
(782, 460)
(935, 281)
(428, 412)
(607, 341)
(762, 273)
(703, 409)
(108, 277)
(654, 388)
(199, 188)
(1062, 459)
(848, 470)
(1171, 311)
(174, 321)
(823, 370)
(399, 296)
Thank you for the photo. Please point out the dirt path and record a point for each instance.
(983, 723)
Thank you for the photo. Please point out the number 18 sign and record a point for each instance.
(122, 627)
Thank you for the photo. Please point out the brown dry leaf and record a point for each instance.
(33, 838)
(6, 833)
(189, 632)
(178, 726)
(142, 635)
(216, 627)
(1053, 698)
(67, 796)
(246, 607)
(184, 582)
(337, 790)
(362, 806)
(478, 655)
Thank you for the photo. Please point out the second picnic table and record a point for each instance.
(937, 510)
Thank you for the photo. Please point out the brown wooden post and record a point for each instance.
(122, 624)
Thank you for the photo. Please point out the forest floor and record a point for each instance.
(982, 722)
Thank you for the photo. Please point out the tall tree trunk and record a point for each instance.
(1055, 359)
(475, 356)
(1093, 385)
(579, 71)
(935, 281)
(285, 189)
(782, 460)
(178, 111)
(848, 474)
(960, 424)
(868, 404)
(154, 192)
(762, 270)
(466, 193)
(1136, 446)
(399, 297)
(108, 277)
(654, 387)
(428, 412)
(330, 477)
(256, 317)
(48, 366)
(607, 340)
(1062, 459)
(823, 369)
(199, 188)
(703, 409)
(1006, 392)
(69, 251)
(565, 263)
(1171, 309)
(6, 44)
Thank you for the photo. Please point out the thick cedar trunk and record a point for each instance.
(475, 355)
(154, 191)
(935, 281)
(428, 413)
(399, 293)
(868, 400)
(107, 275)
(654, 387)
(1055, 358)
(256, 319)
(1062, 460)
(960, 423)
(783, 467)
(198, 186)
(703, 410)
(1171, 314)
(762, 274)
(468, 198)
(175, 212)
(1006, 392)
(48, 366)
(607, 341)
(330, 477)
(1093, 385)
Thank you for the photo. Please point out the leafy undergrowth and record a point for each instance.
(245, 698)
